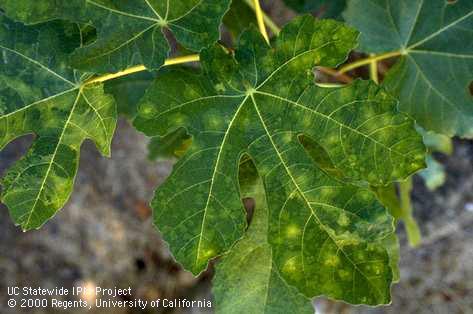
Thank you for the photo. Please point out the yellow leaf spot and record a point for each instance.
(343, 220)
(290, 265)
(293, 231)
(332, 260)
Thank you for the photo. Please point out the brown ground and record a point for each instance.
(104, 236)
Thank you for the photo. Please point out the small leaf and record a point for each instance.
(433, 76)
(129, 32)
(259, 101)
(434, 175)
(436, 142)
(41, 95)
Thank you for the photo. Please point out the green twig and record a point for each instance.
(267, 20)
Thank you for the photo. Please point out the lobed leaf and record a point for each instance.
(432, 79)
(326, 235)
(129, 32)
(40, 94)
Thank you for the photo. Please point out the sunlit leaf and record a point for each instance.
(259, 101)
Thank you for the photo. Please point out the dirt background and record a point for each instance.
(104, 236)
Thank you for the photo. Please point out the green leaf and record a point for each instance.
(436, 142)
(258, 101)
(392, 245)
(170, 146)
(129, 32)
(238, 18)
(434, 176)
(435, 70)
(128, 90)
(41, 95)
(324, 8)
(259, 288)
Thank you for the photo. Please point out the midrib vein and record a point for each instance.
(420, 42)
(37, 102)
(53, 157)
(121, 12)
(330, 119)
(217, 162)
(37, 64)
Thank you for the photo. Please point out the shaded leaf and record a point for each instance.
(170, 146)
(258, 101)
(324, 8)
(129, 32)
(41, 95)
(435, 70)
(238, 18)
(128, 90)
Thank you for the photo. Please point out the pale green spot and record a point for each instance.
(343, 220)
(293, 231)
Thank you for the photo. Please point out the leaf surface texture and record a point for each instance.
(326, 234)
(41, 95)
(433, 76)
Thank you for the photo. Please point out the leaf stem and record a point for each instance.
(362, 62)
(412, 229)
(374, 70)
(267, 20)
(260, 20)
(329, 85)
(340, 76)
(405, 188)
(140, 68)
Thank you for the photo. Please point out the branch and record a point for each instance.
(374, 70)
(260, 20)
(140, 68)
(267, 20)
(340, 76)
(412, 229)
(367, 61)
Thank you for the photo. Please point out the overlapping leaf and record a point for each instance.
(326, 235)
(324, 8)
(435, 37)
(40, 94)
(238, 17)
(259, 288)
(129, 32)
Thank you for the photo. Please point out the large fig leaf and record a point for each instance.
(39, 94)
(129, 32)
(435, 38)
(326, 234)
